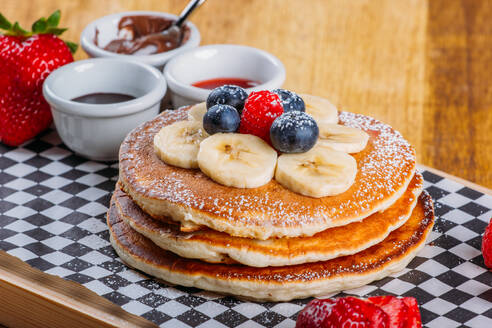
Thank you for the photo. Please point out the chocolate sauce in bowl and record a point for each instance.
(141, 36)
(103, 98)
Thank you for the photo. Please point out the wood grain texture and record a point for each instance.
(30, 298)
(422, 66)
(458, 107)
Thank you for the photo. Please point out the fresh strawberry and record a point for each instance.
(315, 313)
(378, 311)
(26, 59)
(343, 312)
(413, 315)
(260, 110)
(487, 245)
(7, 44)
(394, 307)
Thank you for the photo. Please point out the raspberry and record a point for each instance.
(343, 312)
(487, 245)
(260, 110)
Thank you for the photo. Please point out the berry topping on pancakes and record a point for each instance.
(231, 95)
(294, 132)
(290, 100)
(313, 150)
(260, 110)
(221, 118)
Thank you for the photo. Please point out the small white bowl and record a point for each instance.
(220, 61)
(108, 30)
(96, 131)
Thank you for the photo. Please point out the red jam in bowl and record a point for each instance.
(215, 83)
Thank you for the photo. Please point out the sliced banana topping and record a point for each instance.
(342, 138)
(178, 144)
(320, 109)
(317, 173)
(196, 112)
(237, 160)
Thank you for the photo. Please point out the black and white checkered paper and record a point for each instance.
(52, 216)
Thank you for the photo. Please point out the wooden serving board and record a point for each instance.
(31, 298)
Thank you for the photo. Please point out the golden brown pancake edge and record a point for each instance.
(278, 283)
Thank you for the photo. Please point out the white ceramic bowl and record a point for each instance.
(93, 130)
(220, 61)
(108, 30)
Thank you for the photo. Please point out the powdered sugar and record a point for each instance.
(384, 168)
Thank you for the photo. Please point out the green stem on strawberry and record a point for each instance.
(4, 23)
(41, 26)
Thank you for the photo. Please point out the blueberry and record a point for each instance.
(290, 100)
(221, 118)
(228, 95)
(294, 132)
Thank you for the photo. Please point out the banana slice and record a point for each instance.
(237, 160)
(317, 173)
(320, 109)
(196, 112)
(178, 144)
(342, 138)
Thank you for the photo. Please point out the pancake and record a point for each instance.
(385, 168)
(277, 283)
(218, 247)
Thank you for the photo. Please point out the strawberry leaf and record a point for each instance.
(4, 23)
(39, 26)
(17, 30)
(72, 46)
(55, 30)
(54, 19)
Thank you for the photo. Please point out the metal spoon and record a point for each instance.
(173, 32)
(192, 5)
(169, 38)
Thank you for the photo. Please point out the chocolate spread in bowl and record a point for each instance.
(103, 98)
(140, 36)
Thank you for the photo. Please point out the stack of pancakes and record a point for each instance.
(269, 243)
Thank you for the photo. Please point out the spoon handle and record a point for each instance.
(192, 5)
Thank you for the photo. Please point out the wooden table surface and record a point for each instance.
(422, 66)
